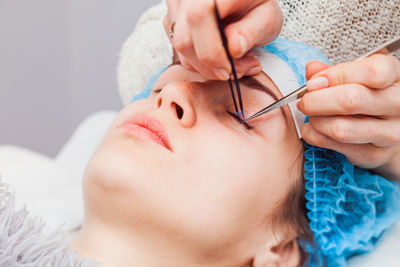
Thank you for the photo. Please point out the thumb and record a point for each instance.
(258, 27)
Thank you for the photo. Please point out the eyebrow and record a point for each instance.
(253, 83)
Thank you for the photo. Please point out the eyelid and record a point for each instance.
(246, 125)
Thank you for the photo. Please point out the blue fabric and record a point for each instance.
(296, 54)
(349, 208)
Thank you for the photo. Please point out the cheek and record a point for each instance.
(232, 179)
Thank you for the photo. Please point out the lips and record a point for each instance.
(147, 127)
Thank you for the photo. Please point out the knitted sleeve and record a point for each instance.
(342, 29)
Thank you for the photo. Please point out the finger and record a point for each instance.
(362, 155)
(377, 71)
(258, 27)
(358, 129)
(247, 66)
(193, 64)
(351, 99)
(314, 66)
(209, 51)
(186, 63)
(183, 44)
(173, 7)
(236, 8)
(182, 40)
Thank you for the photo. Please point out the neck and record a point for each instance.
(115, 247)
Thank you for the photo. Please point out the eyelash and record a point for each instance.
(245, 125)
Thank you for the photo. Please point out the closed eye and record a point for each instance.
(246, 125)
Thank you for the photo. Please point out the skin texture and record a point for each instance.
(209, 202)
(197, 41)
(356, 111)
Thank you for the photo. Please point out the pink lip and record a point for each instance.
(144, 126)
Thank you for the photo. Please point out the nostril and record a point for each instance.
(179, 111)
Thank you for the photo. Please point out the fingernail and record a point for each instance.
(222, 74)
(254, 71)
(243, 44)
(299, 105)
(317, 83)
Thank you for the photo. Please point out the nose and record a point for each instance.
(177, 100)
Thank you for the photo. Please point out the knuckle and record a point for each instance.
(210, 57)
(183, 45)
(380, 70)
(351, 100)
(338, 74)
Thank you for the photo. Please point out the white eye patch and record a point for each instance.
(284, 78)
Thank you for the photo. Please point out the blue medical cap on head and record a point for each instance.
(349, 207)
(296, 55)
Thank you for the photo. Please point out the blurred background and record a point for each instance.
(58, 62)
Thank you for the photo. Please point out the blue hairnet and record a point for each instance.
(349, 207)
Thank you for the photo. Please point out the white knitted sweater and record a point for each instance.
(342, 29)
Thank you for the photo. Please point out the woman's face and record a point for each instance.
(198, 174)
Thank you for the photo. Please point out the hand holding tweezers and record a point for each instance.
(391, 46)
(235, 77)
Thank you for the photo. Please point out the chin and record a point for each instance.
(121, 172)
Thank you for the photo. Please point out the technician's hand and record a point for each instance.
(193, 31)
(354, 109)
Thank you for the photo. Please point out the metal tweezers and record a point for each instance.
(391, 46)
(225, 44)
